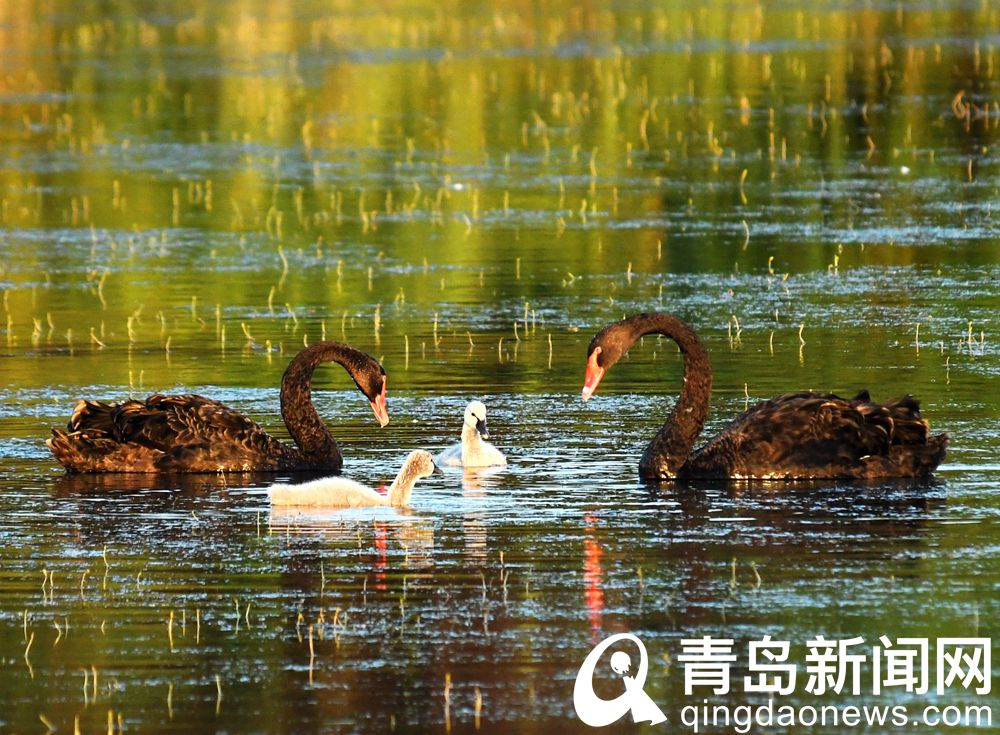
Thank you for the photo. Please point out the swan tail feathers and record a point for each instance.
(933, 454)
(909, 460)
(909, 427)
(64, 450)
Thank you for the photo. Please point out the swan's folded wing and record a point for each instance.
(799, 431)
(170, 421)
(94, 417)
(184, 433)
(450, 457)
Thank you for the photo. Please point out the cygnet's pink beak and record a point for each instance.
(594, 374)
(379, 407)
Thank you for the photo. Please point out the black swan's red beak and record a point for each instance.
(379, 407)
(594, 374)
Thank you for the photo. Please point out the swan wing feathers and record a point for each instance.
(171, 421)
(788, 435)
(450, 457)
(817, 423)
(189, 416)
(164, 433)
(909, 427)
(93, 416)
(160, 420)
(194, 431)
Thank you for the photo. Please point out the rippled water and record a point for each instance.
(191, 191)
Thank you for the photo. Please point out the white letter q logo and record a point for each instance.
(598, 712)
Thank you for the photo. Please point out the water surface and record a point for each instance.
(192, 191)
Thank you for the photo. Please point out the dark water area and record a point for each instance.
(192, 191)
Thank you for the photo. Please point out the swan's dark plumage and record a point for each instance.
(802, 435)
(191, 433)
(821, 435)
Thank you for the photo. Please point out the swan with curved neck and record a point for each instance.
(803, 435)
(340, 492)
(473, 451)
(191, 433)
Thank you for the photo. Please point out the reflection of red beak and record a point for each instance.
(379, 407)
(594, 374)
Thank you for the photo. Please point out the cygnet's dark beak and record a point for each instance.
(481, 428)
(437, 470)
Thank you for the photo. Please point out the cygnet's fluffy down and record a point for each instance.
(340, 492)
(474, 451)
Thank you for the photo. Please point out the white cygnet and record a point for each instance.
(343, 493)
(473, 451)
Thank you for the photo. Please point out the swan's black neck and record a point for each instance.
(670, 448)
(314, 440)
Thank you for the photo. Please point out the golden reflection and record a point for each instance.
(473, 525)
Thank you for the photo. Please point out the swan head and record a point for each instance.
(372, 382)
(606, 348)
(419, 464)
(378, 404)
(475, 417)
(594, 373)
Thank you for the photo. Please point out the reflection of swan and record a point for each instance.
(189, 433)
(476, 483)
(795, 436)
(372, 530)
(473, 451)
(164, 485)
(473, 528)
(343, 493)
(476, 480)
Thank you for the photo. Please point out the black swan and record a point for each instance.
(795, 436)
(190, 433)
